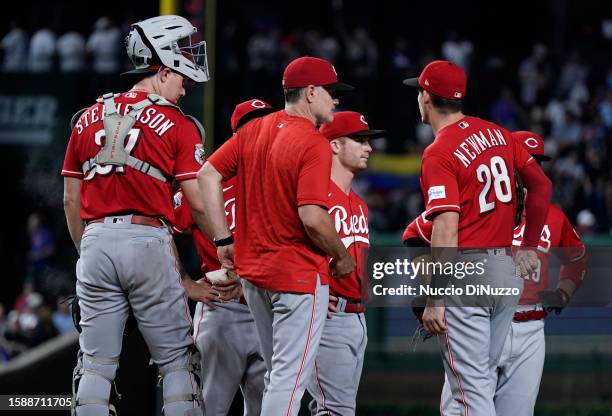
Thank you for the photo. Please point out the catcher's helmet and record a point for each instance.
(166, 41)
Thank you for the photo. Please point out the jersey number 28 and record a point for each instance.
(497, 173)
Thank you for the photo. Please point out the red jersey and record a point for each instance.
(207, 252)
(469, 168)
(280, 162)
(420, 228)
(557, 232)
(162, 136)
(350, 216)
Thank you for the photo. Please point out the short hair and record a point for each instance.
(292, 95)
(445, 105)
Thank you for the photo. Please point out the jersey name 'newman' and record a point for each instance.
(150, 116)
(478, 143)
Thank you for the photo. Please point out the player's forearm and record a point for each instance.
(444, 236)
(72, 210)
(211, 219)
(320, 229)
(571, 275)
(539, 190)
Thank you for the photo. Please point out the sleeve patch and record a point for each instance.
(436, 192)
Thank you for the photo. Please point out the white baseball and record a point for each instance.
(217, 276)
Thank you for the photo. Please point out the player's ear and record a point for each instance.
(335, 146)
(310, 91)
(164, 73)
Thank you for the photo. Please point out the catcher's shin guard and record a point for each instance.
(91, 385)
(182, 385)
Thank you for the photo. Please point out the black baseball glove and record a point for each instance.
(75, 310)
(553, 300)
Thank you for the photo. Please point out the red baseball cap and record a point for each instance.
(247, 111)
(307, 70)
(533, 143)
(349, 124)
(442, 78)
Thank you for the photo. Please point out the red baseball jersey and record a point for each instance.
(557, 232)
(280, 162)
(350, 216)
(207, 252)
(161, 136)
(469, 169)
(420, 228)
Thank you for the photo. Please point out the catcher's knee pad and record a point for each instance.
(182, 385)
(91, 385)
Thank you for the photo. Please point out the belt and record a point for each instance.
(135, 219)
(533, 315)
(349, 306)
(506, 251)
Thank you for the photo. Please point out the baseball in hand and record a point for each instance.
(217, 276)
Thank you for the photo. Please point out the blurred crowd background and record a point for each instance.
(539, 66)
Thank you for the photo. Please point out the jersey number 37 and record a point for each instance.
(132, 138)
(496, 174)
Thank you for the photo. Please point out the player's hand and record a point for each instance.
(343, 266)
(201, 291)
(553, 301)
(433, 317)
(226, 256)
(230, 288)
(331, 306)
(526, 260)
(229, 292)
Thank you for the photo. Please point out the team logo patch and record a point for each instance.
(464, 125)
(436, 192)
(199, 154)
(457, 95)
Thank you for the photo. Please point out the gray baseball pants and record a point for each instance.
(289, 327)
(125, 265)
(227, 339)
(472, 347)
(335, 380)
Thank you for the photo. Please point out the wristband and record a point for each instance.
(222, 242)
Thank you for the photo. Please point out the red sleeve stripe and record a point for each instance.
(579, 257)
(442, 208)
(185, 174)
(71, 173)
(421, 232)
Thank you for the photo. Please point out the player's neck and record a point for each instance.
(438, 120)
(342, 176)
(300, 109)
(144, 85)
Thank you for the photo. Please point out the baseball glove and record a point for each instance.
(553, 300)
(75, 311)
(418, 308)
